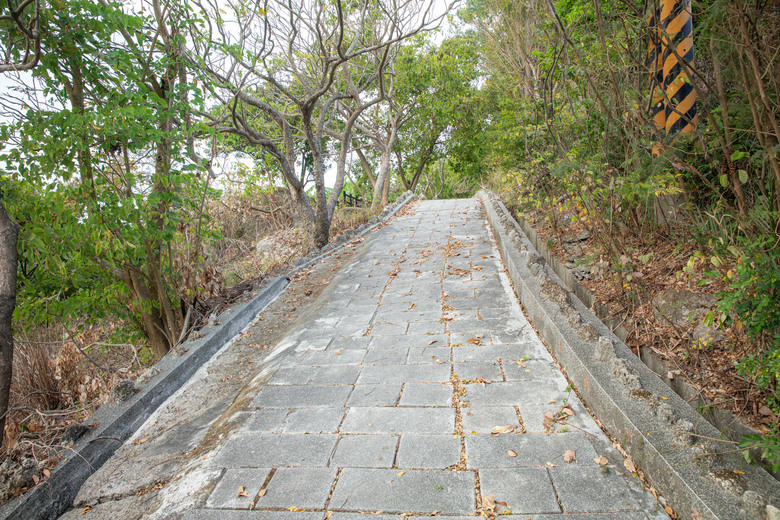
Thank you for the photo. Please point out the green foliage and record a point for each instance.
(109, 197)
(768, 444)
(752, 301)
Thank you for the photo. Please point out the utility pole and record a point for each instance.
(670, 53)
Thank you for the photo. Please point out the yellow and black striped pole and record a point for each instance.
(656, 66)
(671, 45)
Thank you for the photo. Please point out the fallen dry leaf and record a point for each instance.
(601, 461)
(480, 336)
(549, 415)
(400, 473)
(489, 502)
(431, 342)
(669, 510)
(338, 352)
(569, 412)
(511, 453)
(498, 430)
(629, 464)
(242, 492)
(262, 492)
(86, 510)
(502, 504)
(569, 456)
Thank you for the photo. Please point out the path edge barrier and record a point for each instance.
(684, 457)
(115, 422)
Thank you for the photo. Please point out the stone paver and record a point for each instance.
(381, 402)
(305, 488)
(365, 451)
(525, 490)
(414, 491)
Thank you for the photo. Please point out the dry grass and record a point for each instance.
(55, 385)
(710, 369)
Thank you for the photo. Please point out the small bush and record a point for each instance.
(753, 302)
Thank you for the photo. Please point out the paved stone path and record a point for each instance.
(384, 400)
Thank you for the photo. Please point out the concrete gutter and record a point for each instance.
(682, 455)
(113, 423)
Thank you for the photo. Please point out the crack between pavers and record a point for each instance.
(501, 367)
(395, 454)
(478, 492)
(332, 489)
(557, 498)
(400, 394)
(520, 419)
(262, 487)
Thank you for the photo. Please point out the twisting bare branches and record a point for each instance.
(294, 74)
(20, 22)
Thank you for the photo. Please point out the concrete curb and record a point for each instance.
(680, 453)
(112, 424)
(726, 422)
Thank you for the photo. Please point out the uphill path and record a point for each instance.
(413, 385)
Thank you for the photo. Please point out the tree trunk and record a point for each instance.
(386, 188)
(152, 320)
(9, 234)
(381, 179)
(366, 166)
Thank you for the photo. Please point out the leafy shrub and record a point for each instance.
(753, 301)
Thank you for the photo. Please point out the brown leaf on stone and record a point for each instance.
(480, 336)
(498, 430)
(242, 492)
(568, 411)
(262, 492)
(489, 503)
(511, 453)
(549, 415)
(502, 504)
(521, 364)
(338, 352)
(547, 424)
(601, 461)
(431, 342)
(629, 464)
(475, 341)
(569, 456)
